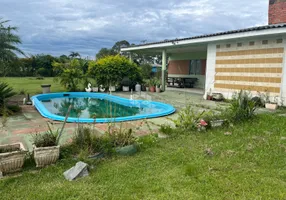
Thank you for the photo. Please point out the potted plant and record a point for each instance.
(152, 84)
(209, 95)
(147, 84)
(158, 86)
(46, 146)
(12, 157)
(125, 84)
(271, 105)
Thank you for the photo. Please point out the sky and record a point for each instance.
(58, 27)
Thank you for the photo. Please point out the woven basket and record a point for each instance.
(12, 161)
(46, 155)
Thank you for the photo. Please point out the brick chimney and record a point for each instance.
(277, 12)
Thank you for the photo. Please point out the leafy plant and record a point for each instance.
(47, 139)
(242, 107)
(111, 70)
(188, 119)
(70, 74)
(167, 130)
(147, 141)
(5, 93)
(120, 137)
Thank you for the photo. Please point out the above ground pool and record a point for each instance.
(103, 107)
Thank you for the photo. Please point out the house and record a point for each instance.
(248, 59)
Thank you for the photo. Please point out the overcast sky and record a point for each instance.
(59, 26)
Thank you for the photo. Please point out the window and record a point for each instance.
(239, 44)
(228, 46)
(279, 41)
(265, 42)
(218, 46)
(251, 43)
(196, 67)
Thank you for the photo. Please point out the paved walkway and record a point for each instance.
(21, 127)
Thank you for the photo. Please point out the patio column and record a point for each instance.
(164, 60)
(130, 57)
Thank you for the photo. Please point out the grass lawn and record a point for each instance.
(248, 164)
(31, 85)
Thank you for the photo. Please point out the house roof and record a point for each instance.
(257, 28)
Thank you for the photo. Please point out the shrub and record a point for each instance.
(188, 119)
(87, 139)
(121, 137)
(5, 93)
(70, 74)
(242, 107)
(111, 70)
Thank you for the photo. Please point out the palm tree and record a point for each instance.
(74, 54)
(8, 44)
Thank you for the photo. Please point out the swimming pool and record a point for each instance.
(100, 106)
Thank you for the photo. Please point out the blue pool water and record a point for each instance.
(103, 107)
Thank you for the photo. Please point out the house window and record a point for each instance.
(279, 41)
(251, 43)
(265, 42)
(239, 44)
(196, 67)
(218, 46)
(228, 46)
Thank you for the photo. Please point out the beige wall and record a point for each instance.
(254, 65)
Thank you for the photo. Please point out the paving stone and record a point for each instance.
(78, 171)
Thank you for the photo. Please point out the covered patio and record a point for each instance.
(183, 65)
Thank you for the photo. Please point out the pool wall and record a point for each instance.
(167, 109)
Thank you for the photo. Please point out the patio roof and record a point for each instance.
(277, 29)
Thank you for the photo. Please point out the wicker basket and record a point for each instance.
(12, 161)
(46, 155)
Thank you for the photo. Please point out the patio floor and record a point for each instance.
(21, 127)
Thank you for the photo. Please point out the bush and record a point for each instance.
(70, 74)
(111, 70)
(242, 107)
(86, 139)
(188, 119)
(5, 93)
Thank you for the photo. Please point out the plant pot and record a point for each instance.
(271, 106)
(112, 88)
(158, 90)
(152, 89)
(217, 123)
(95, 89)
(46, 155)
(147, 89)
(125, 88)
(13, 160)
(126, 150)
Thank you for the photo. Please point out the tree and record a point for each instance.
(111, 70)
(70, 74)
(118, 45)
(74, 55)
(104, 52)
(8, 46)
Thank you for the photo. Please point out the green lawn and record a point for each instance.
(31, 85)
(248, 164)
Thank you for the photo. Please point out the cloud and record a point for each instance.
(59, 26)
